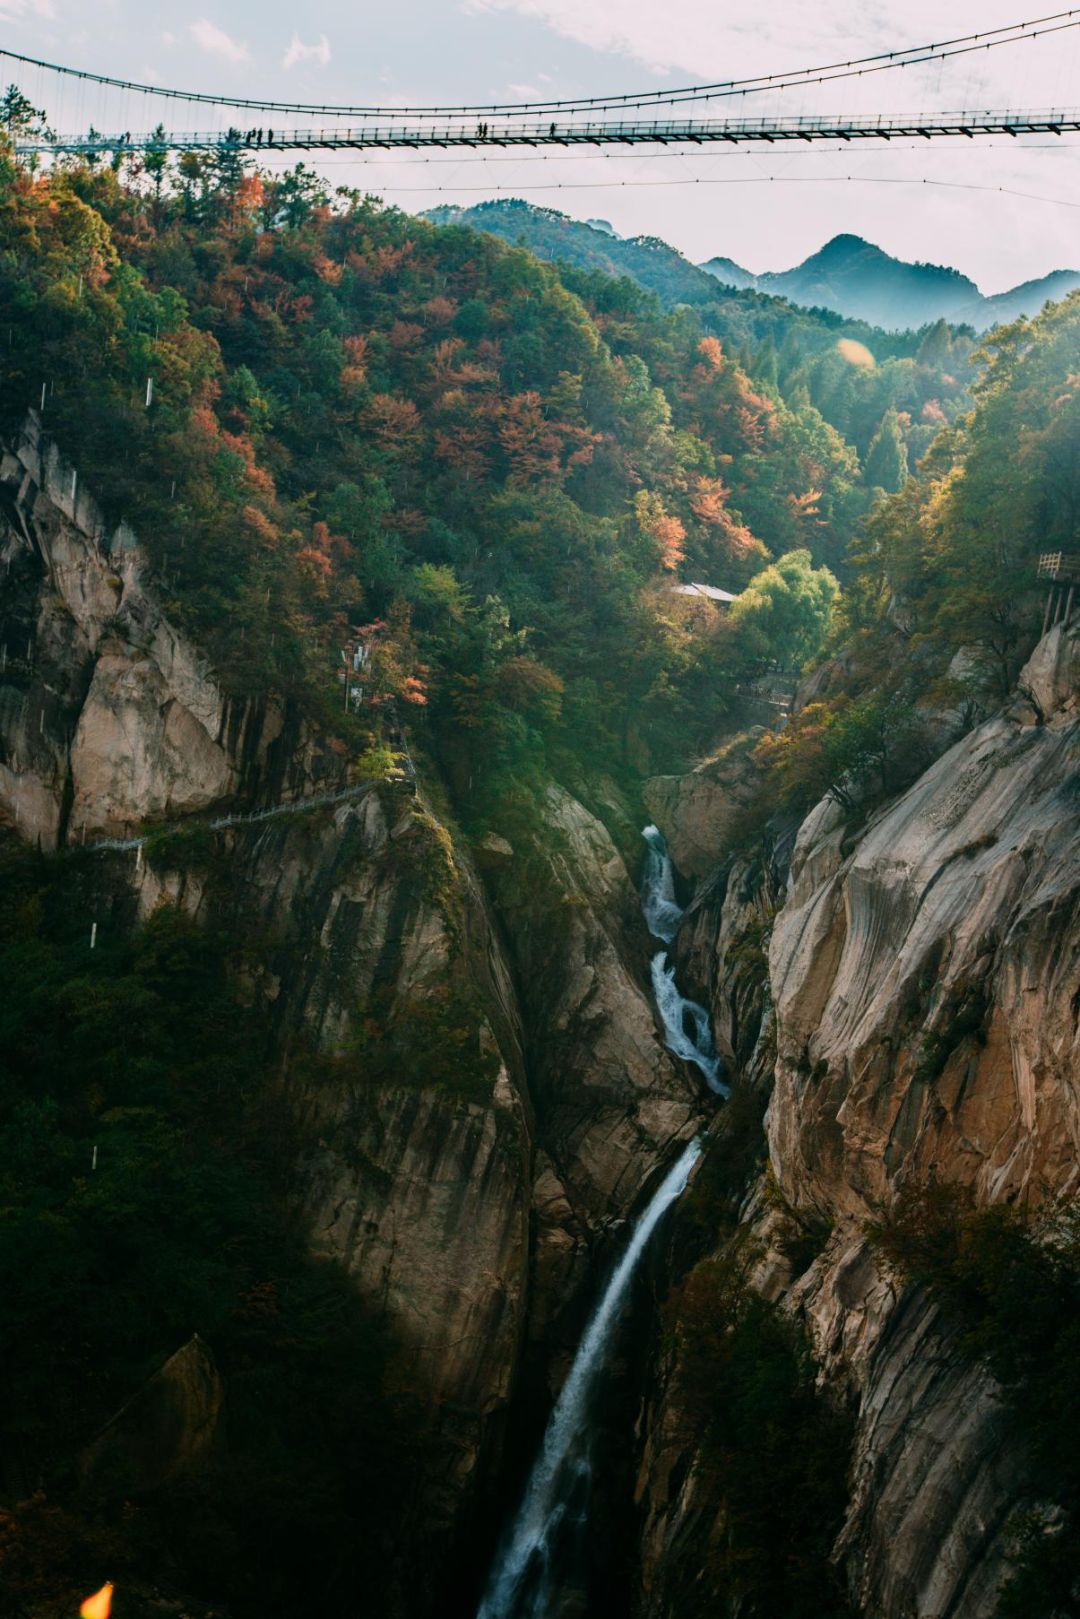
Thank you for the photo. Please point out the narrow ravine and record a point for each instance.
(552, 1522)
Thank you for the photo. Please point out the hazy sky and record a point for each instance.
(767, 209)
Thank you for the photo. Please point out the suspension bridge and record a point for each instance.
(656, 119)
(480, 133)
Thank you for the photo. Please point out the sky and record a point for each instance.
(948, 203)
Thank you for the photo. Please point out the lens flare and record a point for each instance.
(99, 1606)
(855, 353)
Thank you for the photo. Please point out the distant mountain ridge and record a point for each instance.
(848, 277)
(857, 279)
(589, 244)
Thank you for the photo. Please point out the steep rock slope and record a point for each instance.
(957, 900)
(109, 716)
(479, 1100)
(924, 976)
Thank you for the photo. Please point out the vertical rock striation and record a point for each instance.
(924, 975)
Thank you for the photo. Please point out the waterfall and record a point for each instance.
(552, 1521)
(662, 913)
(686, 1024)
(521, 1583)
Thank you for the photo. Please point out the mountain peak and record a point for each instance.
(858, 279)
(844, 245)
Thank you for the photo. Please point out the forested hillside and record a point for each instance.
(858, 376)
(359, 417)
(330, 427)
(944, 603)
(339, 655)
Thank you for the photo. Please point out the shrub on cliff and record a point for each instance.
(772, 1452)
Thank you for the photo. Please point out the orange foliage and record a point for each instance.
(250, 194)
(394, 424)
(256, 477)
(354, 375)
(669, 534)
(317, 567)
(805, 506)
(380, 263)
(437, 311)
(326, 269)
(258, 524)
(465, 447)
(530, 445)
(711, 353)
(404, 334)
(663, 528)
(405, 520)
(753, 425)
(708, 501)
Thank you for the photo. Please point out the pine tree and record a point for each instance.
(886, 459)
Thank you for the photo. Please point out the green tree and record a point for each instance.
(886, 459)
(156, 160)
(783, 613)
(21, 118)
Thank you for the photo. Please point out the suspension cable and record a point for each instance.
(855, 67)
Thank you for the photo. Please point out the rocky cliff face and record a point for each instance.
(109, 716)
(924, 973)
(699, 812)
(472, 1198)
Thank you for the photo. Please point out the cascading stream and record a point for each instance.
(686, 1024)
(659, 907)
(554, 1511)
(521, 1583)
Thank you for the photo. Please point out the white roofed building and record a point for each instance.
(722, 598)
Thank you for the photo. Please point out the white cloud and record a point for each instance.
(700, 39)
(299, 52)
(167, 38)
(216, 42)
(14, 10)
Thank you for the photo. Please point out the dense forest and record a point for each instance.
(331, 423)
(855, 374)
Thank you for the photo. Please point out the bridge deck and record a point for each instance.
(507, 132)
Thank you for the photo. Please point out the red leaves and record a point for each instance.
(805, 506)
(439, 311)
(535, 447)
(404, 335)
(394, 423)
